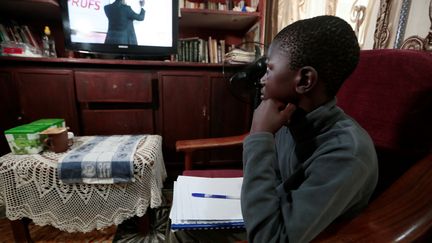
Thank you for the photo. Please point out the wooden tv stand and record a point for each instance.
(177, 100)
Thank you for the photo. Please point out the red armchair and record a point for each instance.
(390, 95)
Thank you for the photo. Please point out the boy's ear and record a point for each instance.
(307, 79)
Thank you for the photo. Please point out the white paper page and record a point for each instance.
(196, 208)
(181, 201)
(173, 212)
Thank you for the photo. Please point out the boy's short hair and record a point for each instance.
(327, 43)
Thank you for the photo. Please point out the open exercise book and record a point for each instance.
(206, 203)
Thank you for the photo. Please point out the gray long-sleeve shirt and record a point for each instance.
(336, 168)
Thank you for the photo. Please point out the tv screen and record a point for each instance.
(126, 27)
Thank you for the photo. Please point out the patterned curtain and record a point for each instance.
(284, 12)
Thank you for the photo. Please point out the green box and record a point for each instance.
(25, 139)
(52, 122)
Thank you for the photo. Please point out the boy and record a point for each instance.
(306, 163)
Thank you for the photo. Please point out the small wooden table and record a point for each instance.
(30, 188)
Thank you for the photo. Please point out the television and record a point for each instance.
(87, 27)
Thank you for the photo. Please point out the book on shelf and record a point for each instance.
(11, 34)
(215, 50)
(187, 50)
(4, 36)
(206, 203)
(205, 51)
(210, 49)
(201, 50)
(222, 50)
(219, 53)
(18, 35)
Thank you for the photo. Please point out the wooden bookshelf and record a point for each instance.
(30, 9)
(226, 25)
(218, 30)
(217, 19)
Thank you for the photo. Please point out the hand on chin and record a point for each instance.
(271, 115)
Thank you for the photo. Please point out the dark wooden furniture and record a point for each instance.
(176, 100)
(9, 108)
(390, 95)
(230, 26)
(31, 93)
(94, 96)
(125, 96)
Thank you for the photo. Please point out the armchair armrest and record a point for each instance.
(189, 146)
(402, 213)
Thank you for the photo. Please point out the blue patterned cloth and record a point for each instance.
(101, 160)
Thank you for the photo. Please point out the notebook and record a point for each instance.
(206, 203)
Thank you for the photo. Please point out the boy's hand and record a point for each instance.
(271, 115)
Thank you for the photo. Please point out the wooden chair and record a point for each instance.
(390, 95)
(188, 147)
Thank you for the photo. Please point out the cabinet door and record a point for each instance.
(47, 94)
(9, 107)
(184, 108)
(230, 115)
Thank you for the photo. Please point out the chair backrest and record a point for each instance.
(390, 95)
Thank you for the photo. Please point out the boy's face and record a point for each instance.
(279, 80)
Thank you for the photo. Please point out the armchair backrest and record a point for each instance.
(390, 95)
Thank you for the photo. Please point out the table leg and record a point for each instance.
(143, 224)
(20, 230)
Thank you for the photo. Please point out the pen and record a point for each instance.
(217, 196)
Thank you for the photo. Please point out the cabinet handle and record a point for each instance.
(204, 111)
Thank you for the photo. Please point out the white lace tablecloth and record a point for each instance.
(30, 187)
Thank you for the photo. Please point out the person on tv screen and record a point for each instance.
(120, 27)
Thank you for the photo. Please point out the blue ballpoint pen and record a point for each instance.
(217, 196)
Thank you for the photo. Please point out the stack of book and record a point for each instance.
(239, 56)
(206, 203)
